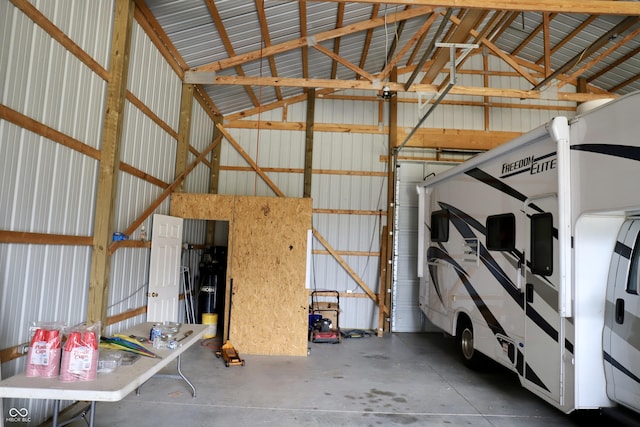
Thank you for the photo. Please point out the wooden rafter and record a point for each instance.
(368, 37)
(303, 34)
(621, 27)
(534, 32)
(614, 64)
(626, 39)
(336, 41)
(317, 38)
(266, 37)
(568, 38)
(506, 58)
(397, 33)
(625, 83)
(337, 59)
(393, 62)
(215, 15)
(596, 7)
(546, 43)
(460, 35)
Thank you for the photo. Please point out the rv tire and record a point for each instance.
(464, 340)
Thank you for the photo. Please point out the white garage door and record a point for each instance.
(405, 313)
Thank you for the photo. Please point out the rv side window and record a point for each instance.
(501, 232)
(542, 244)
(440, 226)
(632, 284)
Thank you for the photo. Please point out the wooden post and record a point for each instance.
(184, 132)
(391, 161)
(308, 143)
(214, 177)
(109, 162)
(384, 269)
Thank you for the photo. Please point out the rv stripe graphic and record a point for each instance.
(624, 151)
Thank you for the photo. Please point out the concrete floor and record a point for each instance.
(401, 379)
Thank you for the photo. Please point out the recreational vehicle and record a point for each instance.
(529, 254)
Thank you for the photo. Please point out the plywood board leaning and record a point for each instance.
(270, 305)
(267, 262)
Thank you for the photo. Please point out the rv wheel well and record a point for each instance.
(462, 320)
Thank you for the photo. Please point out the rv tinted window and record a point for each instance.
(501, 232)
(632, 284)
(440, 226)
(542, 244)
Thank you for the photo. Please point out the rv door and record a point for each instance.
(543, 337)
(621, 337)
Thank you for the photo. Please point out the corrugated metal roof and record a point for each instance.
(190, 27)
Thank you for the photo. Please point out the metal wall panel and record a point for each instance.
(152, 80)
(48, 188)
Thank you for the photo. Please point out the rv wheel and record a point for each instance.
(464, 338)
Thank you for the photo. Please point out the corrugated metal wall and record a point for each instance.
(51, 189)
(48, 188)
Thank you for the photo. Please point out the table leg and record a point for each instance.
(180, 375)
(56, 410)
(92, 416)
(185, 378)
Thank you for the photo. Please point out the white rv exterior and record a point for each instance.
(530, 255)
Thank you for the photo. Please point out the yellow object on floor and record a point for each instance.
(212, 320)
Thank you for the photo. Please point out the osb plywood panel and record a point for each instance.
(202, 206)
(269, 313)
(267, 262)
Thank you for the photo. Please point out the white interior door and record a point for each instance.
(164, 269)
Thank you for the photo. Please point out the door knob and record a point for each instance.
(152, 294)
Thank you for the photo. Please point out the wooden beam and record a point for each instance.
(336, 41)
(499, 53)
(593, 7)
(222, 31)
(58, 35)
(621, 27)
(346, 266)
(384, 268)
(184, 132)
(311, 40)
(151, 115)
(31, 125)
(387, 258)
(159, 38)
(266, 37)
(214, 176)
(460, 35)
(397, 87)
(303, 33)
(614, 64)
(167, 191)
(546, 40)
(308, 142)
(336, 58)
(393, 62)
(459, 139)
(22, 237)
(348, 212)
(341, 172)
(249, 160)
(109, 162)
(626, 39)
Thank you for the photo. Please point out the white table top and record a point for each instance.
(108, 387)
